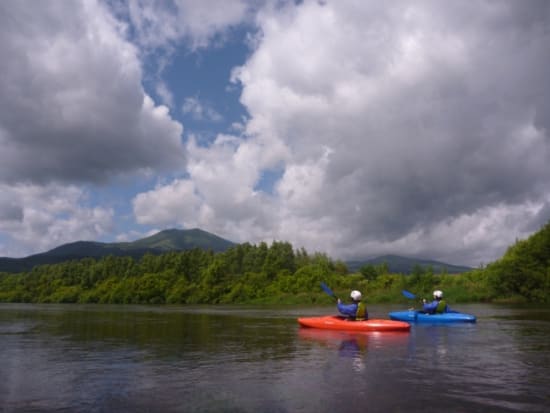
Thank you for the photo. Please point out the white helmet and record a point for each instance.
(438, 294)
(355, 295)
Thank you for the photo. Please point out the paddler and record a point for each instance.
(437, 306)
(357, 310)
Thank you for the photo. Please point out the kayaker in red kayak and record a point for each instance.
(357, 310)
(437, 306)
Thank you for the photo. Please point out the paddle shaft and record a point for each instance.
(327, 290)
(408, 294)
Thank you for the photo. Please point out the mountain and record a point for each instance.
(404, 265)
(163, 241)
(180, 240)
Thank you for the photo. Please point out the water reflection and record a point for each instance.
(354, 345)
(174, 359)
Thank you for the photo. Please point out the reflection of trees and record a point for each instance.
(529, 334)
(170, 330)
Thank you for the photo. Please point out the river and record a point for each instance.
(108, 358)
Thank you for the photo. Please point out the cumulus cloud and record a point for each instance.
(219, 196)
(47, 216)
(72, 107)
(159, 24)
(72, 112)
(413, 128)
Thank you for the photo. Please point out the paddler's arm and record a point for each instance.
(347, 309)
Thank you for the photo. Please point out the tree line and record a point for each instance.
(243, 273)
(275, 273)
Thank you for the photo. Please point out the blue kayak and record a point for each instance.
(415, 316)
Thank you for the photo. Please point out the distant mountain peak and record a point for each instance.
(405, 265)
(163, 241)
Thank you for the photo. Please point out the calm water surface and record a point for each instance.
(72, 358)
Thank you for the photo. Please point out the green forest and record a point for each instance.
(274, 274)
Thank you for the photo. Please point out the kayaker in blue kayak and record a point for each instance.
(357, 310)
(437, 306)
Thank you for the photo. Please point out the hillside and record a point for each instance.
(163, 241)
(181, 240)
(524, 270)
(404, 265)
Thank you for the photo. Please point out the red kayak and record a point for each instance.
(332, 322)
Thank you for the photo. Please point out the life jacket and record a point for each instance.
(441, 306)
(361, 313)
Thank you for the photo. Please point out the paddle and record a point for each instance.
(328, 290)
(408, 294)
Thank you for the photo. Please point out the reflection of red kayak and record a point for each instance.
(337, 336)
(333, 338)
(337, 323)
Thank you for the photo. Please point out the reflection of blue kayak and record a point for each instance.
(415, 316)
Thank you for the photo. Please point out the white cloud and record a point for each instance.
(134, 235)
(401, 127)
(162, 206)
(72, 107)
(396, 127)
(47, 216)
(395, 93)
(220, 194)
(72, 111)
(162, 23)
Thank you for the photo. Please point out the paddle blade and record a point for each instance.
(408, 294)
(327, 290)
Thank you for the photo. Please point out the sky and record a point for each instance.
(355, 128)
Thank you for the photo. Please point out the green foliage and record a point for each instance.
(274, 273)
(242, 274)
(524, 270)
(371, 271)
(279, 257)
